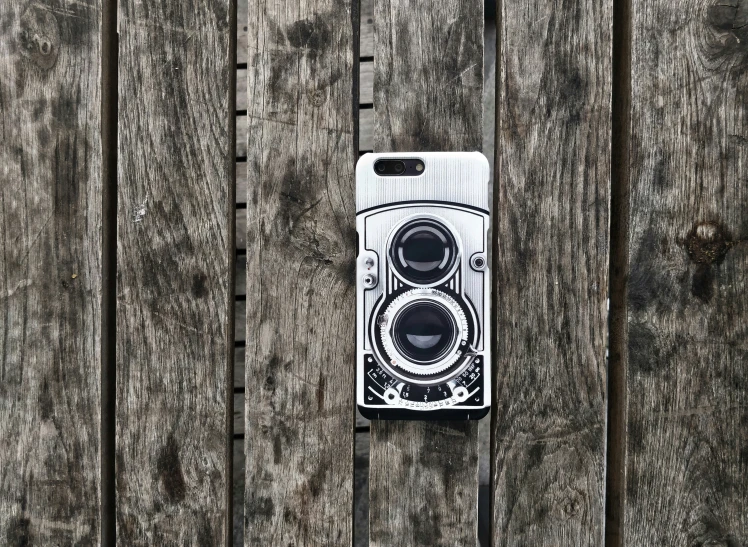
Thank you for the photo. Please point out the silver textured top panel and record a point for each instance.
(461, 177)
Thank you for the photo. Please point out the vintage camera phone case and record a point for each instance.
(423, 286)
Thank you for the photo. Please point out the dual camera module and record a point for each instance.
(396, 167)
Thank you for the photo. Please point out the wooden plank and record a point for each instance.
(366, 132)
(366, 85)
(241, 224)
(241, 89)
(240, 321)
(300, 282)
(687, 301)
(366, 82)
(241, 182)
(551, 273)
(366, 31)
(239, 403)
(175, 250)
(241, 31)
(238, 493)
(361, 490)
(51, 185)
(428, 87)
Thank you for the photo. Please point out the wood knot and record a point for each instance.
(568, 503)
(571, 505)
(730, 21)
(317, 97)
(708, 243)
(38, 37)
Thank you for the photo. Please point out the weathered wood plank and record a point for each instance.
(366, 85)
(239, 403)
(51, 203)
(240, 322)
(175, 247)
(241, 89)
(551, 272)
(366, 82)
(365, 131)
(241, 31)
(366, 31)
(361, 490)
(428, 86)
(241, 182)
(241, 223)
(238, 493)
(300, 292)
(686, 356)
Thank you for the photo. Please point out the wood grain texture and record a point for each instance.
(300, 274)
(366, 32)
(174, 280)
(428, 92)
(366, 86)
(239, 402)
(551, 272)
(365, 131)
(687, 379)
(50, 272)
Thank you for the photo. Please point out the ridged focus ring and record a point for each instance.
(424, 332)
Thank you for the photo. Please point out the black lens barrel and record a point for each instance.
(423, 251)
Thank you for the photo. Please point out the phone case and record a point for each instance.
(423, 287)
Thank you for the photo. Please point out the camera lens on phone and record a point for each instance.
(381, 167)
(423, 251)
(424, 332)
(399, 167)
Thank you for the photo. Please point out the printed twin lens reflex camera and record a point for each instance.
(423, 286)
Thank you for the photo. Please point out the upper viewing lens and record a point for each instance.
(423, 251)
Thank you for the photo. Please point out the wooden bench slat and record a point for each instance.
(366, 85)
(428, 92)
(366, 31)
(51, 259)
(174, 296)
(551, 273)
(239, 404)
(365, 129)
(300, 294)
(687, 294)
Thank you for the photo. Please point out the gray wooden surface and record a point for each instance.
(361, 484)
(686, 360)
(551, 273)
(51, 187)
(174, 278)
(299, 421)
(366, 30)
(428, 91)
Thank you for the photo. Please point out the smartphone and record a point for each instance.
(423, 286)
